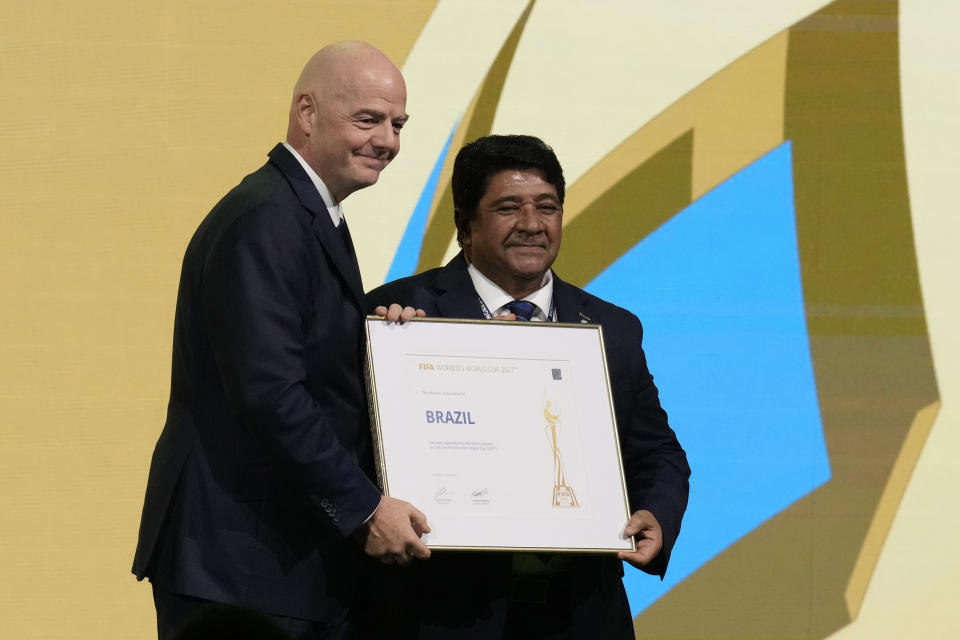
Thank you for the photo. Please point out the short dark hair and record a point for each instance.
(478, 161)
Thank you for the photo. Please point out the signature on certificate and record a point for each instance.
(480, 496)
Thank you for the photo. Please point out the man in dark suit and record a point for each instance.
(508, 208)
(259, 491)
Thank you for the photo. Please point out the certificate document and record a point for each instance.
(502, 433)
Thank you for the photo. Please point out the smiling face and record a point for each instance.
(515, 235)
(348, 110)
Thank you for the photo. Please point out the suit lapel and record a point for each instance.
(571, 305)
(456, 296)
(344, 261)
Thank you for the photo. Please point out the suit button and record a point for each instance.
(336, 518)
(324, 503)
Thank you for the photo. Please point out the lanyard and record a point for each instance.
(551, 317)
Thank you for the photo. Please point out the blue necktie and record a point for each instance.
(522, 309)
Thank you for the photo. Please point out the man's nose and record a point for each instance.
(530, 219)
(386, 138)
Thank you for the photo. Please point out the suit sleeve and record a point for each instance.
(258, 279)
(399, 291)
(655, 464)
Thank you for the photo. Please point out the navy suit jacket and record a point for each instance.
(263, 467)
(655, 465)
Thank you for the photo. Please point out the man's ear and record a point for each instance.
(463, 228)
(306, 108)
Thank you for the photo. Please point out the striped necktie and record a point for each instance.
(523, 309)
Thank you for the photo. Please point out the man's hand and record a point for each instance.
(649, 537)
(392, 534)
(396, 313)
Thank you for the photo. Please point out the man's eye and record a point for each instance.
(397, 126)
(548, 208)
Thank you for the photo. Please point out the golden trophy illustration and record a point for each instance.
(563, 494)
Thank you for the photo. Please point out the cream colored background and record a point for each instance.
(121, 123)
(915, 589)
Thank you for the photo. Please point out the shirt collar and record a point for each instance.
(496, 298)
(335, 209)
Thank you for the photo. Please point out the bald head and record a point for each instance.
(348, 107)
(336, 65)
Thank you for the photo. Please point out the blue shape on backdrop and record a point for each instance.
(405, 259)
(718, 289)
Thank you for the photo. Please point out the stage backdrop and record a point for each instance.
(769, 186)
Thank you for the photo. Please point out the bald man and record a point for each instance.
(260, 490)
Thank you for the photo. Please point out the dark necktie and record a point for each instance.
(352, 268)
(345, 236)
(523, 309)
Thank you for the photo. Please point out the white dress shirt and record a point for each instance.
(496, 299)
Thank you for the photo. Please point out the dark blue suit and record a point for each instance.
(474, 587)
(262, 470)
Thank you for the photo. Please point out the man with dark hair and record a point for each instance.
(260, 490)
(508, 208)
(482, 158)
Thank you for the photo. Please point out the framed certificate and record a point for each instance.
(502, 433)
